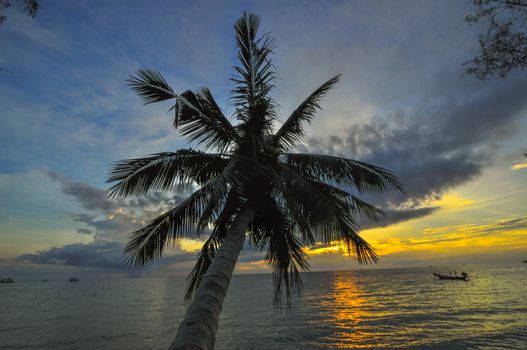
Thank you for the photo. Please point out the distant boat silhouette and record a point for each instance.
(44, 280)
(463, 277)
(74, 279)
(7, 280)
(524, 261)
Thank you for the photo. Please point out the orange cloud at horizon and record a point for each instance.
(497, 233)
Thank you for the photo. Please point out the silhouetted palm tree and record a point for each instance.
(249, 188)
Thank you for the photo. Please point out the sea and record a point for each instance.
(362, 309)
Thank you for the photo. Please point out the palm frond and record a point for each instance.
(231, 180)
(255, 128)
(365, 210)
(148, 243)
(356, 205)
(285, 254)
(314, 204)
(343, 224)
(213, 243)
(327, 212)
(202, 121)
(357, 246)
(161, 171)
(272, 230)
(150, 85)
(255, 74)
(292, 131)
(240, 175)
(287, 257)
(299, 221)
(361, 176)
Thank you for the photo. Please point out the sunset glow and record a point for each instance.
(456, 143)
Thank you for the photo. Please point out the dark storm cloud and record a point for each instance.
(396, 216)
(100, 254)
(432, 149)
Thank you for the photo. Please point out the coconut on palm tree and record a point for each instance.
(250, 187)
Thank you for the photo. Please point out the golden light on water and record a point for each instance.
(349, 312)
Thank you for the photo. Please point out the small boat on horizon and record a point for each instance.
(462, 277)
(74, 279)
(7, 280)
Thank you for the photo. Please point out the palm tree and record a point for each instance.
(249, 186)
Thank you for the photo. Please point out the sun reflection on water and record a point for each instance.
(351, 311)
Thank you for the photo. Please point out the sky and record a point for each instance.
(403, 103)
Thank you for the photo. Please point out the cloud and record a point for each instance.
(105, 254)
(507, 233)
(89, 197)
(80, 115)
(99, 254)
(395, 216)
(432, 149)
(496, 239)
(110, 222)
(113, 219)
(96, 199)
(85, 231)
(84, 218)
(110, 236)
(519, 166)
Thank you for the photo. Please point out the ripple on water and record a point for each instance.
(390, 309)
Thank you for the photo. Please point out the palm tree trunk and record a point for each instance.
(197, 331)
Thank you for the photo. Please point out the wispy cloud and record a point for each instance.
(519, 166)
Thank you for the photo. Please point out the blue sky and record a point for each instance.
(402, 103)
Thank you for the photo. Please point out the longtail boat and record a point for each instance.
(463, 277)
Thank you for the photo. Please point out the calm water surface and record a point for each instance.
(377, 309)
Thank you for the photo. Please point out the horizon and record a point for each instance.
(96, 275)
(182, 276)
